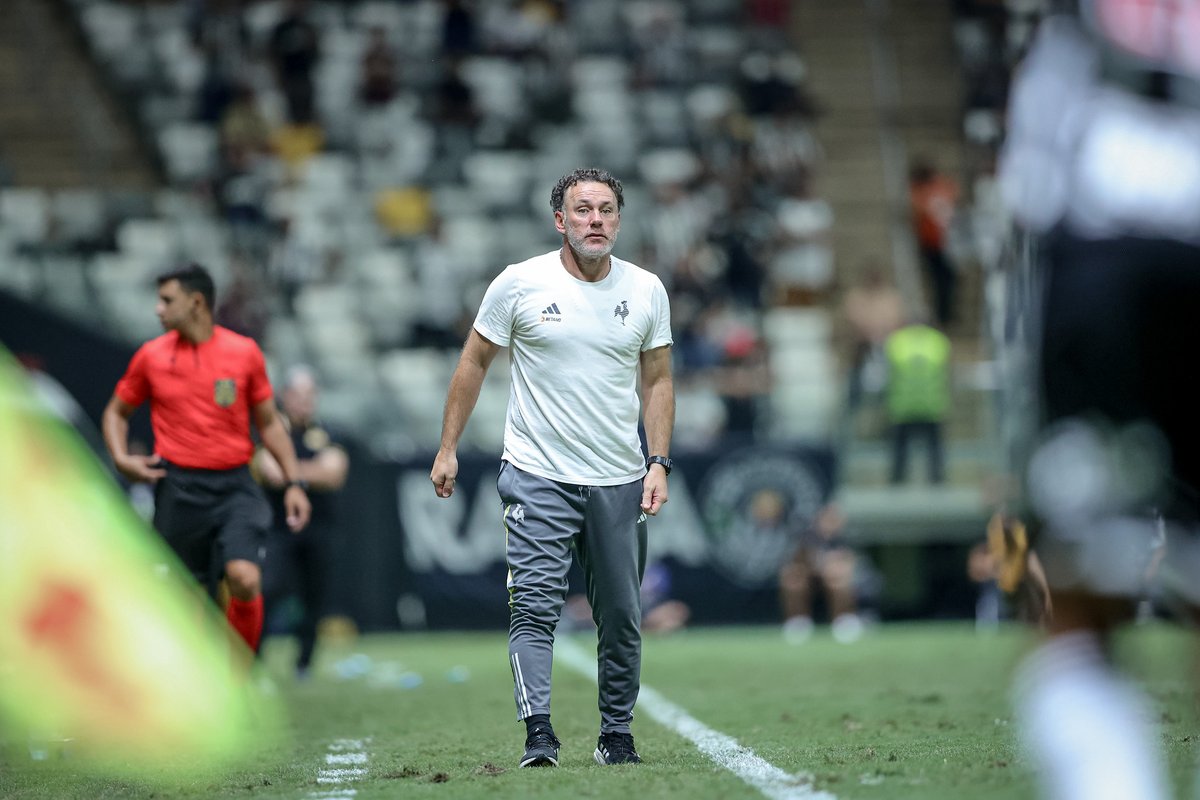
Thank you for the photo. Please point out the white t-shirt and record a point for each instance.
(575, 350)
(1087, 152)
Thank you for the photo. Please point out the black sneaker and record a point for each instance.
(616, 748)
(541, 748)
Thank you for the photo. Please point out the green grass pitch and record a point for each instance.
(910, 711)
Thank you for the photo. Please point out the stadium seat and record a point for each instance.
(496, 85)
(21, 276)
(669, 166)
(498, 178)
(148, 239)
(415, 381)
(64, 284)
(111, 28)
(25, 214)
(189, 151)
(784, 326)
(79, 216)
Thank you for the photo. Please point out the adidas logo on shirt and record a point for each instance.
(551, 313)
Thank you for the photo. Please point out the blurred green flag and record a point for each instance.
(104, 638)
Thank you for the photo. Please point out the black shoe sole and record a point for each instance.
(602, 761)
(540, 761)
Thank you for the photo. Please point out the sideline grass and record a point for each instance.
(910, 711)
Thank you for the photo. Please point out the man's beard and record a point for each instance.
(583, 247)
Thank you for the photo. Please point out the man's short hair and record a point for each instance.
(585, 175)
(299, 373)
(193, 278)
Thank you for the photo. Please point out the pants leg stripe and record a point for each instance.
(526, 709)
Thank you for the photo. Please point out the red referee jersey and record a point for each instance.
(200, 396)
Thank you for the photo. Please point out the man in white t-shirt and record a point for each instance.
(580, 324)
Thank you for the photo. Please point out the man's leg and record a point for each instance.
(612, 550)
(186, 524)
(245, 608)
(246, 517)
(541, 518)
(1088, 730)
(933, 434)
(943, 279)
(310, 572)
(795, 587)
(900, 432)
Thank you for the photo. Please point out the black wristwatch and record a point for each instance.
(662, 461)
(302, 484)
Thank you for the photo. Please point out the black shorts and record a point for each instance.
(1120, 328)
(210, 517)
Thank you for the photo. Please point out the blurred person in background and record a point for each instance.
(1102, 166)
(242, 181)
(1010, 579)
(743, 381)
(294, 50)
(581, 325)
(243, 306)
(873, 308)
(298, 562)
(933, 198)
(377, 82)
(918, 395)
(204, 383)
(822, 556)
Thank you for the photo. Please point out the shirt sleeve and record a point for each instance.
(134, 386)
(495, 318)
(257, 384)
(659, 334)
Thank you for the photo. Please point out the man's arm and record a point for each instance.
(477, 356)
(115, 425)
(325, 472)
(658, 414)
(275, 438)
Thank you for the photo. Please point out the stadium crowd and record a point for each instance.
(354, 173)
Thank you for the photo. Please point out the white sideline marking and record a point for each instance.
(346, 758)
(342, 752)
(721, 748)
(339, 775)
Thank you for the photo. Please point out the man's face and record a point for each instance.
(175, 306)
(589, 219)
(300, 399)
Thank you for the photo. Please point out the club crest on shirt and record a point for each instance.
(224, 392)
(622, 311)
(316, 439)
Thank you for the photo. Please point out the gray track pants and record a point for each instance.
(544, 520)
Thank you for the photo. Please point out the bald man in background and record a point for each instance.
(296, 575)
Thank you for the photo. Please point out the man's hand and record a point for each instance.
(654, 490)
(141, 469)
(444, 472)
(298, 507)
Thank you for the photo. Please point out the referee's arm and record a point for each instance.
(115, 427)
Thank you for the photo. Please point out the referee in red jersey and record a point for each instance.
(204, 382)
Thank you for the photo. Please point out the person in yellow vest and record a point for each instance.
(918, 394)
